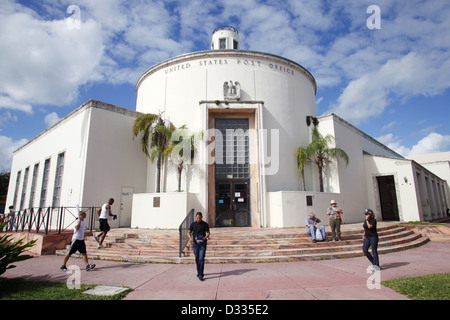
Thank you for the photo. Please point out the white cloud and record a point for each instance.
(8, 146)
(432, 143)
(51, 118)
(388, 126)
(398, 79)
(44, 62)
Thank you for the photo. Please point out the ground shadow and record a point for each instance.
(393, 265)
(237, 272)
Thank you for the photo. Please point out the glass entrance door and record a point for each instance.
(232, 204)
(232, 173)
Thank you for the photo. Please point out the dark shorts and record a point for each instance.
(104, 226)
(77, 245)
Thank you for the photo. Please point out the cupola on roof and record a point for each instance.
(225, 38)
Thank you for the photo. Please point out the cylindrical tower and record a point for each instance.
(263, 95)
(225, 38)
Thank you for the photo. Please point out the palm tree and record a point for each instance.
(154, 134)
(181, 149)
(301, 161)
(320, 153)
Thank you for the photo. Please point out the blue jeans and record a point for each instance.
(199, 253)
(371, 242)
(312, 232)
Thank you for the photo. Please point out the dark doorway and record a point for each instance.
(232, 173)
(232, 204)
(388, 198)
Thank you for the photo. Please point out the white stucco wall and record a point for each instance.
(173, 208)
(289, 208)
(100, 158)
(70, 136)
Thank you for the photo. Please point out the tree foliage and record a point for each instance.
(320, 153)
(11, 252)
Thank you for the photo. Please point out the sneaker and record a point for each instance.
(64, 268)
(97, 239)
(100, 246)
(90, 267)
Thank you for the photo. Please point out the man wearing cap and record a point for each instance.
(335, 214)
(311, 225)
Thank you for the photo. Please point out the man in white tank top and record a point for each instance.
(103, 214)
(78, 243)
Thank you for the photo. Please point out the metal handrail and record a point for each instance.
(184, 227)
(57, 219)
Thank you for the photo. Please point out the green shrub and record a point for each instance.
(11, 252)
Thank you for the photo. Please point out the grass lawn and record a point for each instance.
(428, 287)
(20, 289)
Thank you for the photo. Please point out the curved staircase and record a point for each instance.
(245, 245)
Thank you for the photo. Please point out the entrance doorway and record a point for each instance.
(232, 173)
(126, 202)
(232, 204)
(388, 198)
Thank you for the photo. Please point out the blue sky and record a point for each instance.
(393, 83)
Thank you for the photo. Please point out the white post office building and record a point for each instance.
(251, 108)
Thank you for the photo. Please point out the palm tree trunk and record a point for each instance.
(303, 180)
(180, 170)
(158, 174)
(321, 178)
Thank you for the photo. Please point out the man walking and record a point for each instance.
(103, 213)
(198, 235)
(78, 243)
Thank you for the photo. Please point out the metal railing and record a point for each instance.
(184, 227)
(50, 219)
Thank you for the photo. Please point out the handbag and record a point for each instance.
(318, 235)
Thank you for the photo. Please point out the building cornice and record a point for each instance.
(88, 104)
(243, 54)
(359, 132)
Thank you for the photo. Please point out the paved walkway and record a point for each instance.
(306, 280)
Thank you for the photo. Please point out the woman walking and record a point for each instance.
(371, 239)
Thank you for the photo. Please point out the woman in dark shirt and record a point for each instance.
(371, 239)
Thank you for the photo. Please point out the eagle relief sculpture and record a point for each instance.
(231, 91)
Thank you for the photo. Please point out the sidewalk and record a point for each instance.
(305, 280)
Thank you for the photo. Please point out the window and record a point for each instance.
(232, 153)
(44, 183)
(58, 180)
(24, 188)
(33, 185)
(16, 191)
(222, 43)
(235, 44)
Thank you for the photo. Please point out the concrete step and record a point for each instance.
(240, 245)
